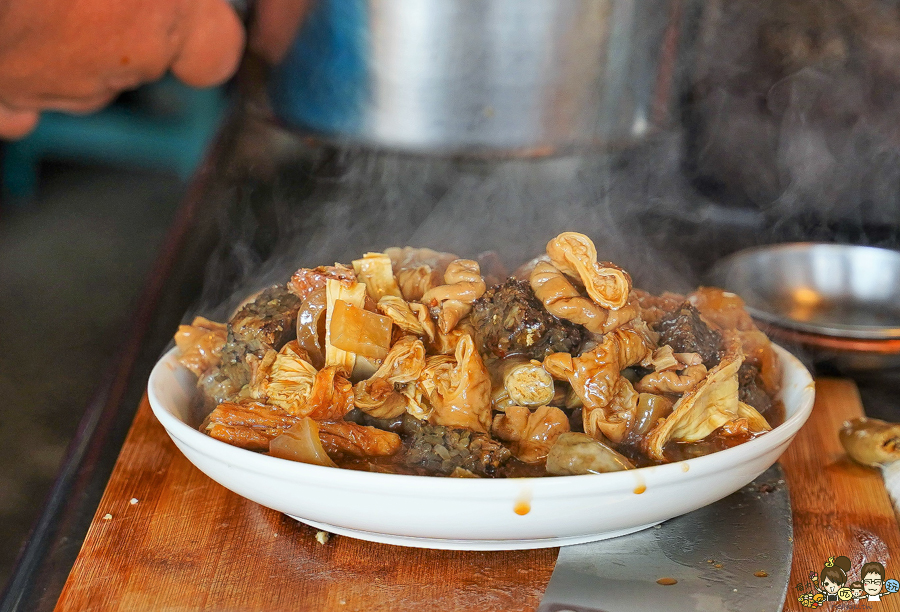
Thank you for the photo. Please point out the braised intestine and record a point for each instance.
(416, 282)
(562, 299)
(574, 254)
(609, 401)
(672, 381)
(418, 269)
(389, 370)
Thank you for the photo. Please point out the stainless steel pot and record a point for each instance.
(482, 76)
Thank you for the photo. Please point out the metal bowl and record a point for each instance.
(851, 356)
(836, 290)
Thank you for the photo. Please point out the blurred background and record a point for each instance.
(86, 203)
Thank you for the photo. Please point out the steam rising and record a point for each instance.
(358, 201)
(795, 113)
(789, 132)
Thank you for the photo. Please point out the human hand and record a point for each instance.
(78, 56)
(275, 23)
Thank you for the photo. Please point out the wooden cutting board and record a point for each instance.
(839, 507)
(166, 537)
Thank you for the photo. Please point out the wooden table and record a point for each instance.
(166, 537)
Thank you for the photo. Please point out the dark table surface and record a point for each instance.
(266, 202)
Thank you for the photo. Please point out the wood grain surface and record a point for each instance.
(166, 537)
(839, 507)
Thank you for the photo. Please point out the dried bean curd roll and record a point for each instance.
(526, 382)
(354, 295)
(500, 399)
(401, 314)
(707, 406)
(378, 396)
(374, 269)
(463, 285)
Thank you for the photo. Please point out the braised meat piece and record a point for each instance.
(269, 319)
(267, 322)
(750, 389)
(685, 332)
(655, 307)
(508, 319)
(441, 450)
(218, 387)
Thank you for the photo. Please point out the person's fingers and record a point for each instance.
(15, 124)
(212, 47)
(78, 106)
(275, 23)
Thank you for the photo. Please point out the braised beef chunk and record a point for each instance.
(269, 321)
(435, 449)
(234, 364)
(686, 332)
(510, 319)
(441, 450)
(218, 386)
(656, 307)
(750, 389)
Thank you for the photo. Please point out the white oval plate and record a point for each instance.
(467, 513)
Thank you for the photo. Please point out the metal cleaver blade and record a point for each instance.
(734, 554)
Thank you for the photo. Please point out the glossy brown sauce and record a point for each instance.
(392, 465)
(775, 415)
(674, 451)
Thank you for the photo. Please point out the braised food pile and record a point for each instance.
(419, 362)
